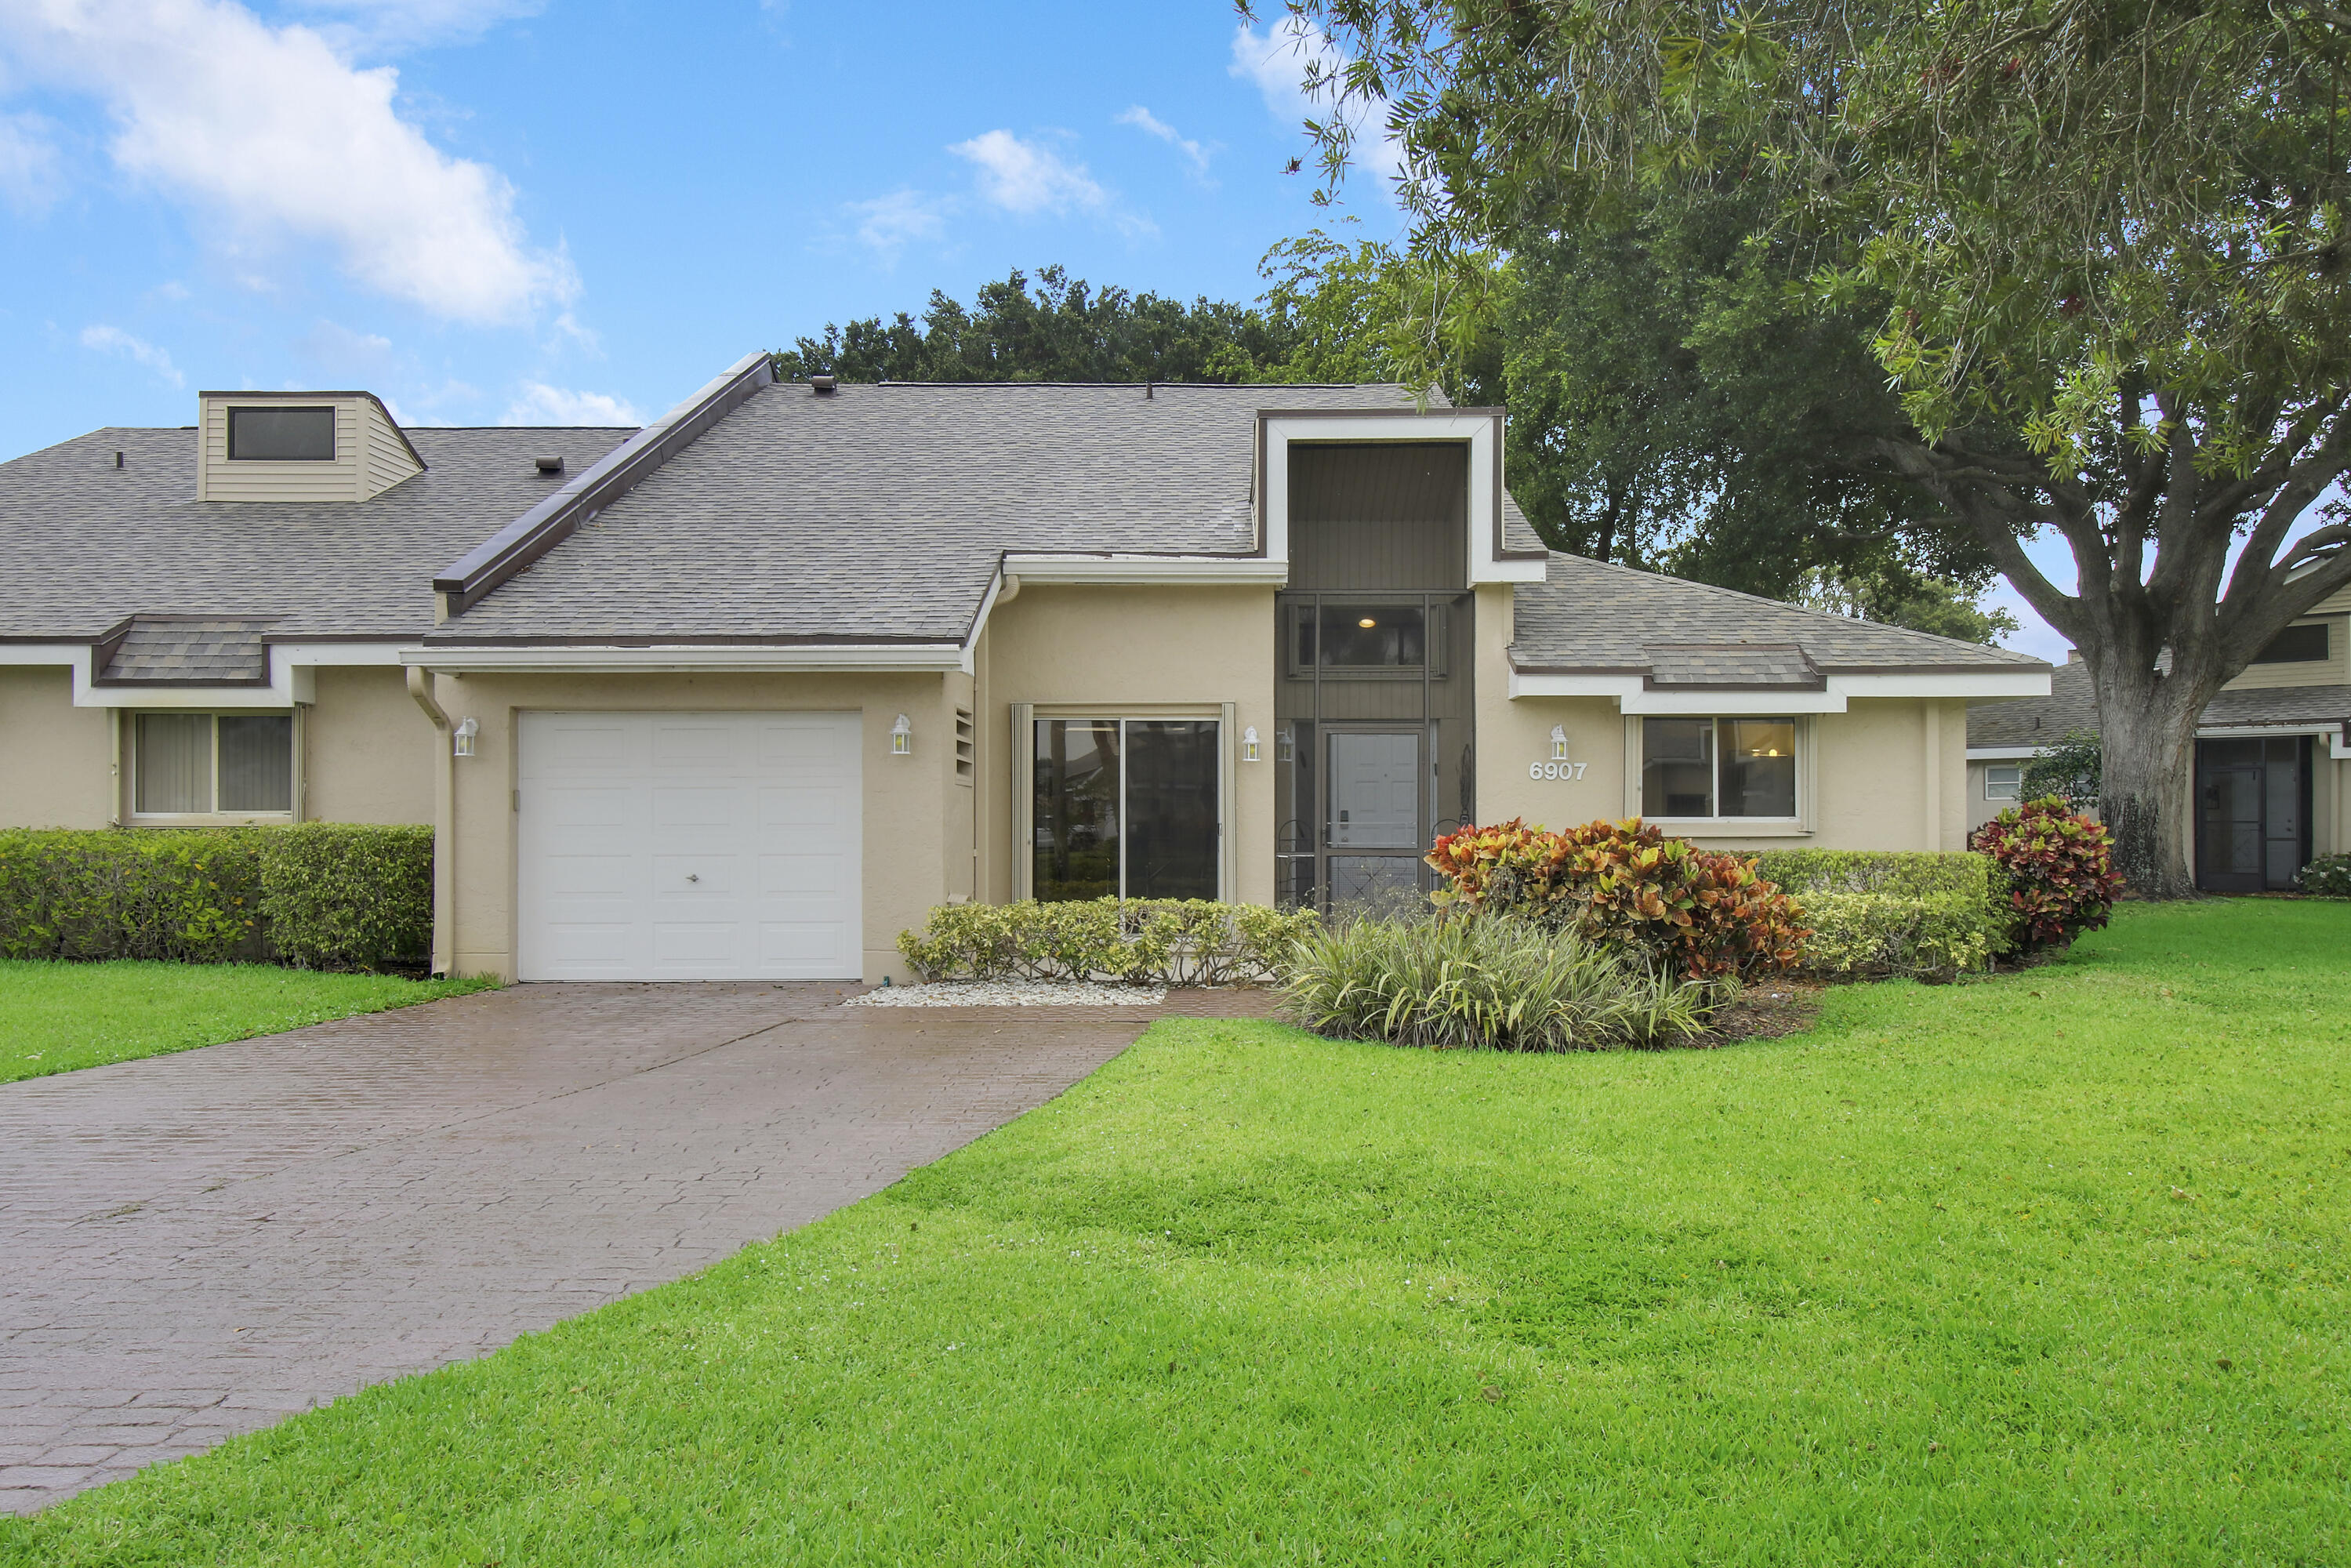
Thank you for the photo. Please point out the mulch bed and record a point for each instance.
(1767, 1010)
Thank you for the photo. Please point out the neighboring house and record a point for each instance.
(2271, 792)
(744, 693)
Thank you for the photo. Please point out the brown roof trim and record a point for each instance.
(1430, 411)
(691, 640)
(256, 392)
(512, 549)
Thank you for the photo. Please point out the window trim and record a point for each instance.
(1636, 756)
(228, 430)
(1027, 716)
(127, 721)
(2015, 786)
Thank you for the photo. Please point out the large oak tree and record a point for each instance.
(2097, 245)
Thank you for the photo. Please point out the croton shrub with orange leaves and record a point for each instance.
(1627, 884)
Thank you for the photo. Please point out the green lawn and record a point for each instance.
(2050, 1268)
(55, 1018)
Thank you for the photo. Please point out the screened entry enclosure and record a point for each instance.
(1374, 748)
(1125, 809)
(2252, 813)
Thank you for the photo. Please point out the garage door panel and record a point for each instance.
(797, 942)
(713, 846)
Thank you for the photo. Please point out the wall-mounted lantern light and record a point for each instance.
(902, 736)
(461, 738)
(1559, 743)
(1248, 745)
(1285, 743)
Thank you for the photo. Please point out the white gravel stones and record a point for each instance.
(1011, 994)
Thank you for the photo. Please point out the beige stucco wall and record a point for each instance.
(904, 829)
(1887, 774)
(56, 760)
(366, 749)
(1132, 653)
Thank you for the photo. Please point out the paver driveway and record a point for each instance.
(192, 1246)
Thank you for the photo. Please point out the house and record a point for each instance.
(744, 693)
(2273, 792)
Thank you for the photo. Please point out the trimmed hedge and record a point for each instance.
(318, 895)
(1142, 942)
(1884, 912)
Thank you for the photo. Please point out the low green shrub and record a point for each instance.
(1628, 885)
(189, 897)
(1884, 912)
(318, 895)
(1486, 981)
(2328, 876)
(2058, 868)
(1142, 942)
(341, 896)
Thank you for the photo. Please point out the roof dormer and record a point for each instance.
(308, 446)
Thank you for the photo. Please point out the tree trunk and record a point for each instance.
(2147, 786)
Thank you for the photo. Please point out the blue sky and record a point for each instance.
(546, 210)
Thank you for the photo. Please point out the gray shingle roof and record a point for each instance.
(85, 546)
(879, 513)
(1587, 616)
(2072, 705)
(207, 649)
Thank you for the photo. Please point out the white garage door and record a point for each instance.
(689, 846)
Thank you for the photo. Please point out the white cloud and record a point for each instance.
(890, 223)
(387, 26)
(341, 350)
(274, 134)
(1026, 177)
(1277, 61)
(540, 403)
(115, 340)
(29, 179)
(1150, 124)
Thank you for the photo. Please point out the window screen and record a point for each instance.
(174, 762)
(281, 435)
(2296, 645)
(1125, 808)
(1718, 767)
(257, 762)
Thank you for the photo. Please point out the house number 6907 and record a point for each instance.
(1556, 770)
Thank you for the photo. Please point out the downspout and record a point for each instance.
(445, 823)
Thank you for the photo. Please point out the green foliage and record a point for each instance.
(1932, 604)
(1057, 328)
(1140, 941)
(1954, 1271)
(1909, 874)
(2073, 770)
(339, 896)
(1875, 914)
(319, 896)
(59, 1017)
(189, 896)
(1628, 886)
(2328, 876)
(1485, 981)
(2059, 867)
(1367, 312)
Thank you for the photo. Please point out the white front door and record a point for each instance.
(1375, 790)
(689, 846)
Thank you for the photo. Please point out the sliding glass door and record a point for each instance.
(1125, 808)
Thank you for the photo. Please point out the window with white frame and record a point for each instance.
(1126, 809)
(2003, 781)
(203, 763)
(1712, 768)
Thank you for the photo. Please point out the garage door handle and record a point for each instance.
(694, 876)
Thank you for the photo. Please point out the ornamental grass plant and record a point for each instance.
(1467, 982)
